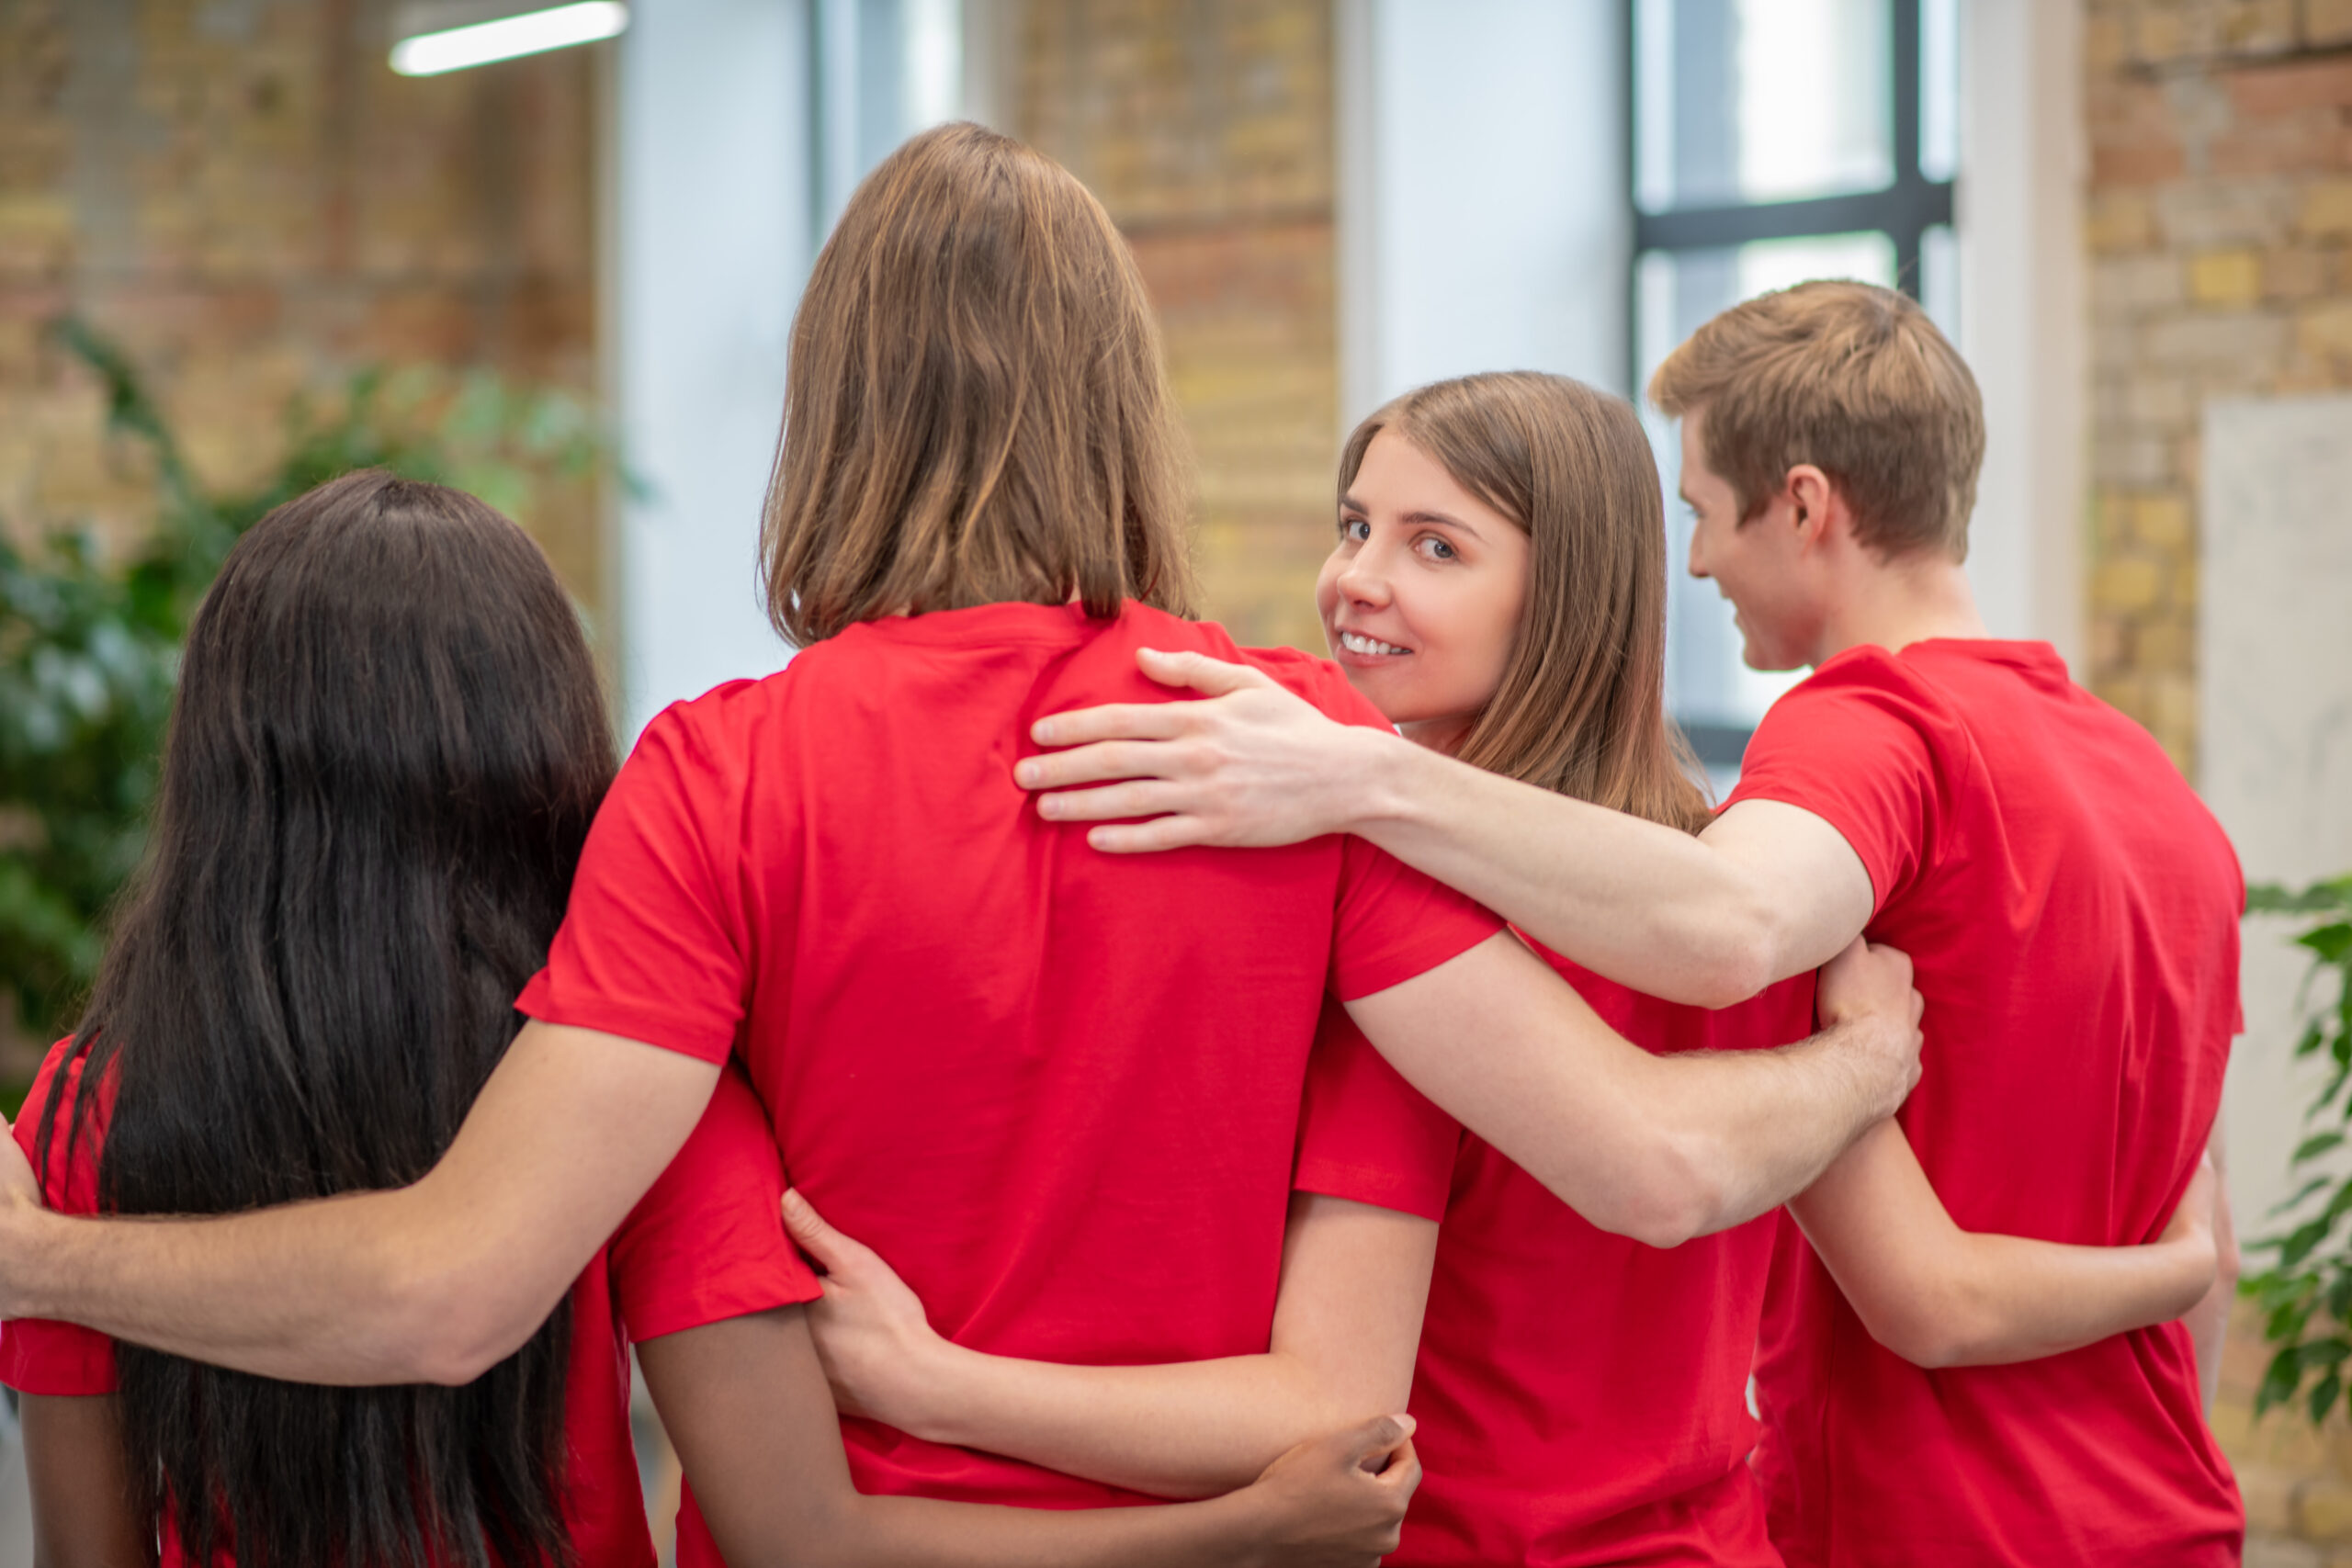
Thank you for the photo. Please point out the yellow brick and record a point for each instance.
(2327, 208)
(2226, 277)
(2126, 583)
(2326, 330)
(2159, 36)
(2161, 521)
(2104, 46)
(2166, 644)
(2324, 1506)
(2327, 21)
(2270, 1495)
(2120, 220)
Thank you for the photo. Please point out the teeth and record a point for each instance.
(1356, 642)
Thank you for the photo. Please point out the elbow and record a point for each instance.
(1933, 1327)
(1740, 960)
(449, 1326)
(1925, 1344)
(1677, 1193)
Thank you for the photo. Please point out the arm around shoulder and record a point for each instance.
(433, 1282)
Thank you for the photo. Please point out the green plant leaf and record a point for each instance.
(2333, 942)
(2280, 1380)
(2323, 1395)
(2315, 1145)
(2287, 1205)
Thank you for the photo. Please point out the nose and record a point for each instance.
(1365, 579)
(1698, 562)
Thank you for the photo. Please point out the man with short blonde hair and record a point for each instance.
(2070, 906)
(1853, 380)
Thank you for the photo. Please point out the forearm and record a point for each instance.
(329, 1291)
(1661, 1149)
(745, 1401)
(1762, 1126)
(1645, 904)
(1191, 1430)
(2011, 1299)
(1940, 1296)
(918, 1532)
(432, 1282)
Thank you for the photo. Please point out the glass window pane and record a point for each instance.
(1938, 89)
(1675, 293)
(1940, 278)
(1731, 108)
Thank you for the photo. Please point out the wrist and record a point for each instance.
(1244, 1527)
(1376, 783)
(944, 1383)
(24, 1229)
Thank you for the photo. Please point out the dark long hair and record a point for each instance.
(388, 744)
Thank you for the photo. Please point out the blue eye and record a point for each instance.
(1354, 528)
(1440, 549)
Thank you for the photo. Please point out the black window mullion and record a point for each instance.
(1906, 77)
(1904, 212)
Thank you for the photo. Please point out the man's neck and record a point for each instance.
(1894, 604)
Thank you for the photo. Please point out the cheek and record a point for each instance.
(1327, 584)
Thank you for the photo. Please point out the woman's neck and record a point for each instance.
(1440, 735)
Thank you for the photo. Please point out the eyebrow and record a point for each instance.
(1420, 515)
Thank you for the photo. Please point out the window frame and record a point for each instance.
(1904, 212)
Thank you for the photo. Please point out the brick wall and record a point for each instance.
(2220, 226)
(2221, 235)
(244, 194)
(1206, 128)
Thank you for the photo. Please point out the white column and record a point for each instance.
(2023, 312)
(1483, 217)
(710, 230)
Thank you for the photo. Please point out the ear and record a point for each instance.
(1815, 505)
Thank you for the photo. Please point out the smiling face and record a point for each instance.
(1422, 600)
(1758, 563)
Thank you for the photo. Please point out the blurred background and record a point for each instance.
(246, 243)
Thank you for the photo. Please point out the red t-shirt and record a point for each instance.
(2072, 911)
(1582, 1397)
(1058, 1089)
(705, 1243)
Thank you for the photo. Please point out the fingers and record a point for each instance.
(1171, 832)
(1130, 798)
(1371, 1445)
(1212, 677)
(1403, 1476)
(1113, 721)
(1100, 762)
(833, 1251)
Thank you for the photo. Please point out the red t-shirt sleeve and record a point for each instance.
(654, 944)
(1365, 1133)
(706, 1241)
(1394, 923)
(1866, 749)
(37, 1356)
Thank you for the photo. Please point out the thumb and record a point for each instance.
(833, 1250)
(1211, 677)
(1376, 1440)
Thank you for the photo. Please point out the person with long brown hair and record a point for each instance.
(1063, 1092)
(1498, 590)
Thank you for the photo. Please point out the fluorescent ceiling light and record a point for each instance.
(534, 32)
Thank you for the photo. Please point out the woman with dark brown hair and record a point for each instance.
(1498, 590)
